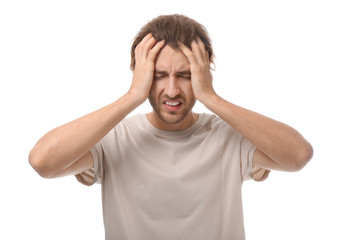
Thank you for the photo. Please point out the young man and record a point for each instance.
(171, 173)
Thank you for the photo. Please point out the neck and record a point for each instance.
(188, 121)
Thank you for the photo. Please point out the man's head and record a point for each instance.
(171, 94)
(173, 29)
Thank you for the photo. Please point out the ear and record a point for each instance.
(132, 68)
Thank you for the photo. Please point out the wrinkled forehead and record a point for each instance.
(171, 59)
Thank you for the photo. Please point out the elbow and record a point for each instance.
(39, 162)
(302, 158)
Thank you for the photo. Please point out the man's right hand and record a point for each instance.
(65, 150)
(143, 73)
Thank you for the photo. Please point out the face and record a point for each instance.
(171, 94)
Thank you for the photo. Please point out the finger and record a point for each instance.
(148, 45)
(139, 50)
(139, 47)
(156, 49)
(187, 52)
(203, 50)
(143, 41)
(201, 44)
(195, 48)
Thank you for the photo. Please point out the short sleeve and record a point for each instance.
(94, 175)
(259, 174)
(248, 169)
(247, 150)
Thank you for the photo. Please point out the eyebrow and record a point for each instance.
(184, 72)
(160, 72)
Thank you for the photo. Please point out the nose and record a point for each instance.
(172, 88)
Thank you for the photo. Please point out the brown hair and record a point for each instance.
(173, 29)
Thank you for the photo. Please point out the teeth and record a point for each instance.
(172, 103)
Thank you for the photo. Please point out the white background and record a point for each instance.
(295, 61)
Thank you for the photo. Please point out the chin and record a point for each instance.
(171, 117)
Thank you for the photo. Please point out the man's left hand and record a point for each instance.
(201, 77)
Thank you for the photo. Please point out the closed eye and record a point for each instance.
(159, 74)
(156, 77)
(184, 74)
(185, 77)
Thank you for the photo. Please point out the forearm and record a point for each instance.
(278, 141)
(64, 149)
(63, 146)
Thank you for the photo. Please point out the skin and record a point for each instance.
(279, 146)
(166, 75)
(172, 83)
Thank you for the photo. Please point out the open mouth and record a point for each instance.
(172, 105)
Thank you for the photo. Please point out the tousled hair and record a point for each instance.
(173, 29)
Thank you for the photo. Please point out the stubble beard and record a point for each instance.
(171, 117)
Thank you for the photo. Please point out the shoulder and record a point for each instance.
(210, 120)
(123, 129)
(130, 122)
(214, 122)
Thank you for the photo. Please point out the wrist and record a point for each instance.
(136, 97)
(209, 99)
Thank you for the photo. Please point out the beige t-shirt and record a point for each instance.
(172, 185)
